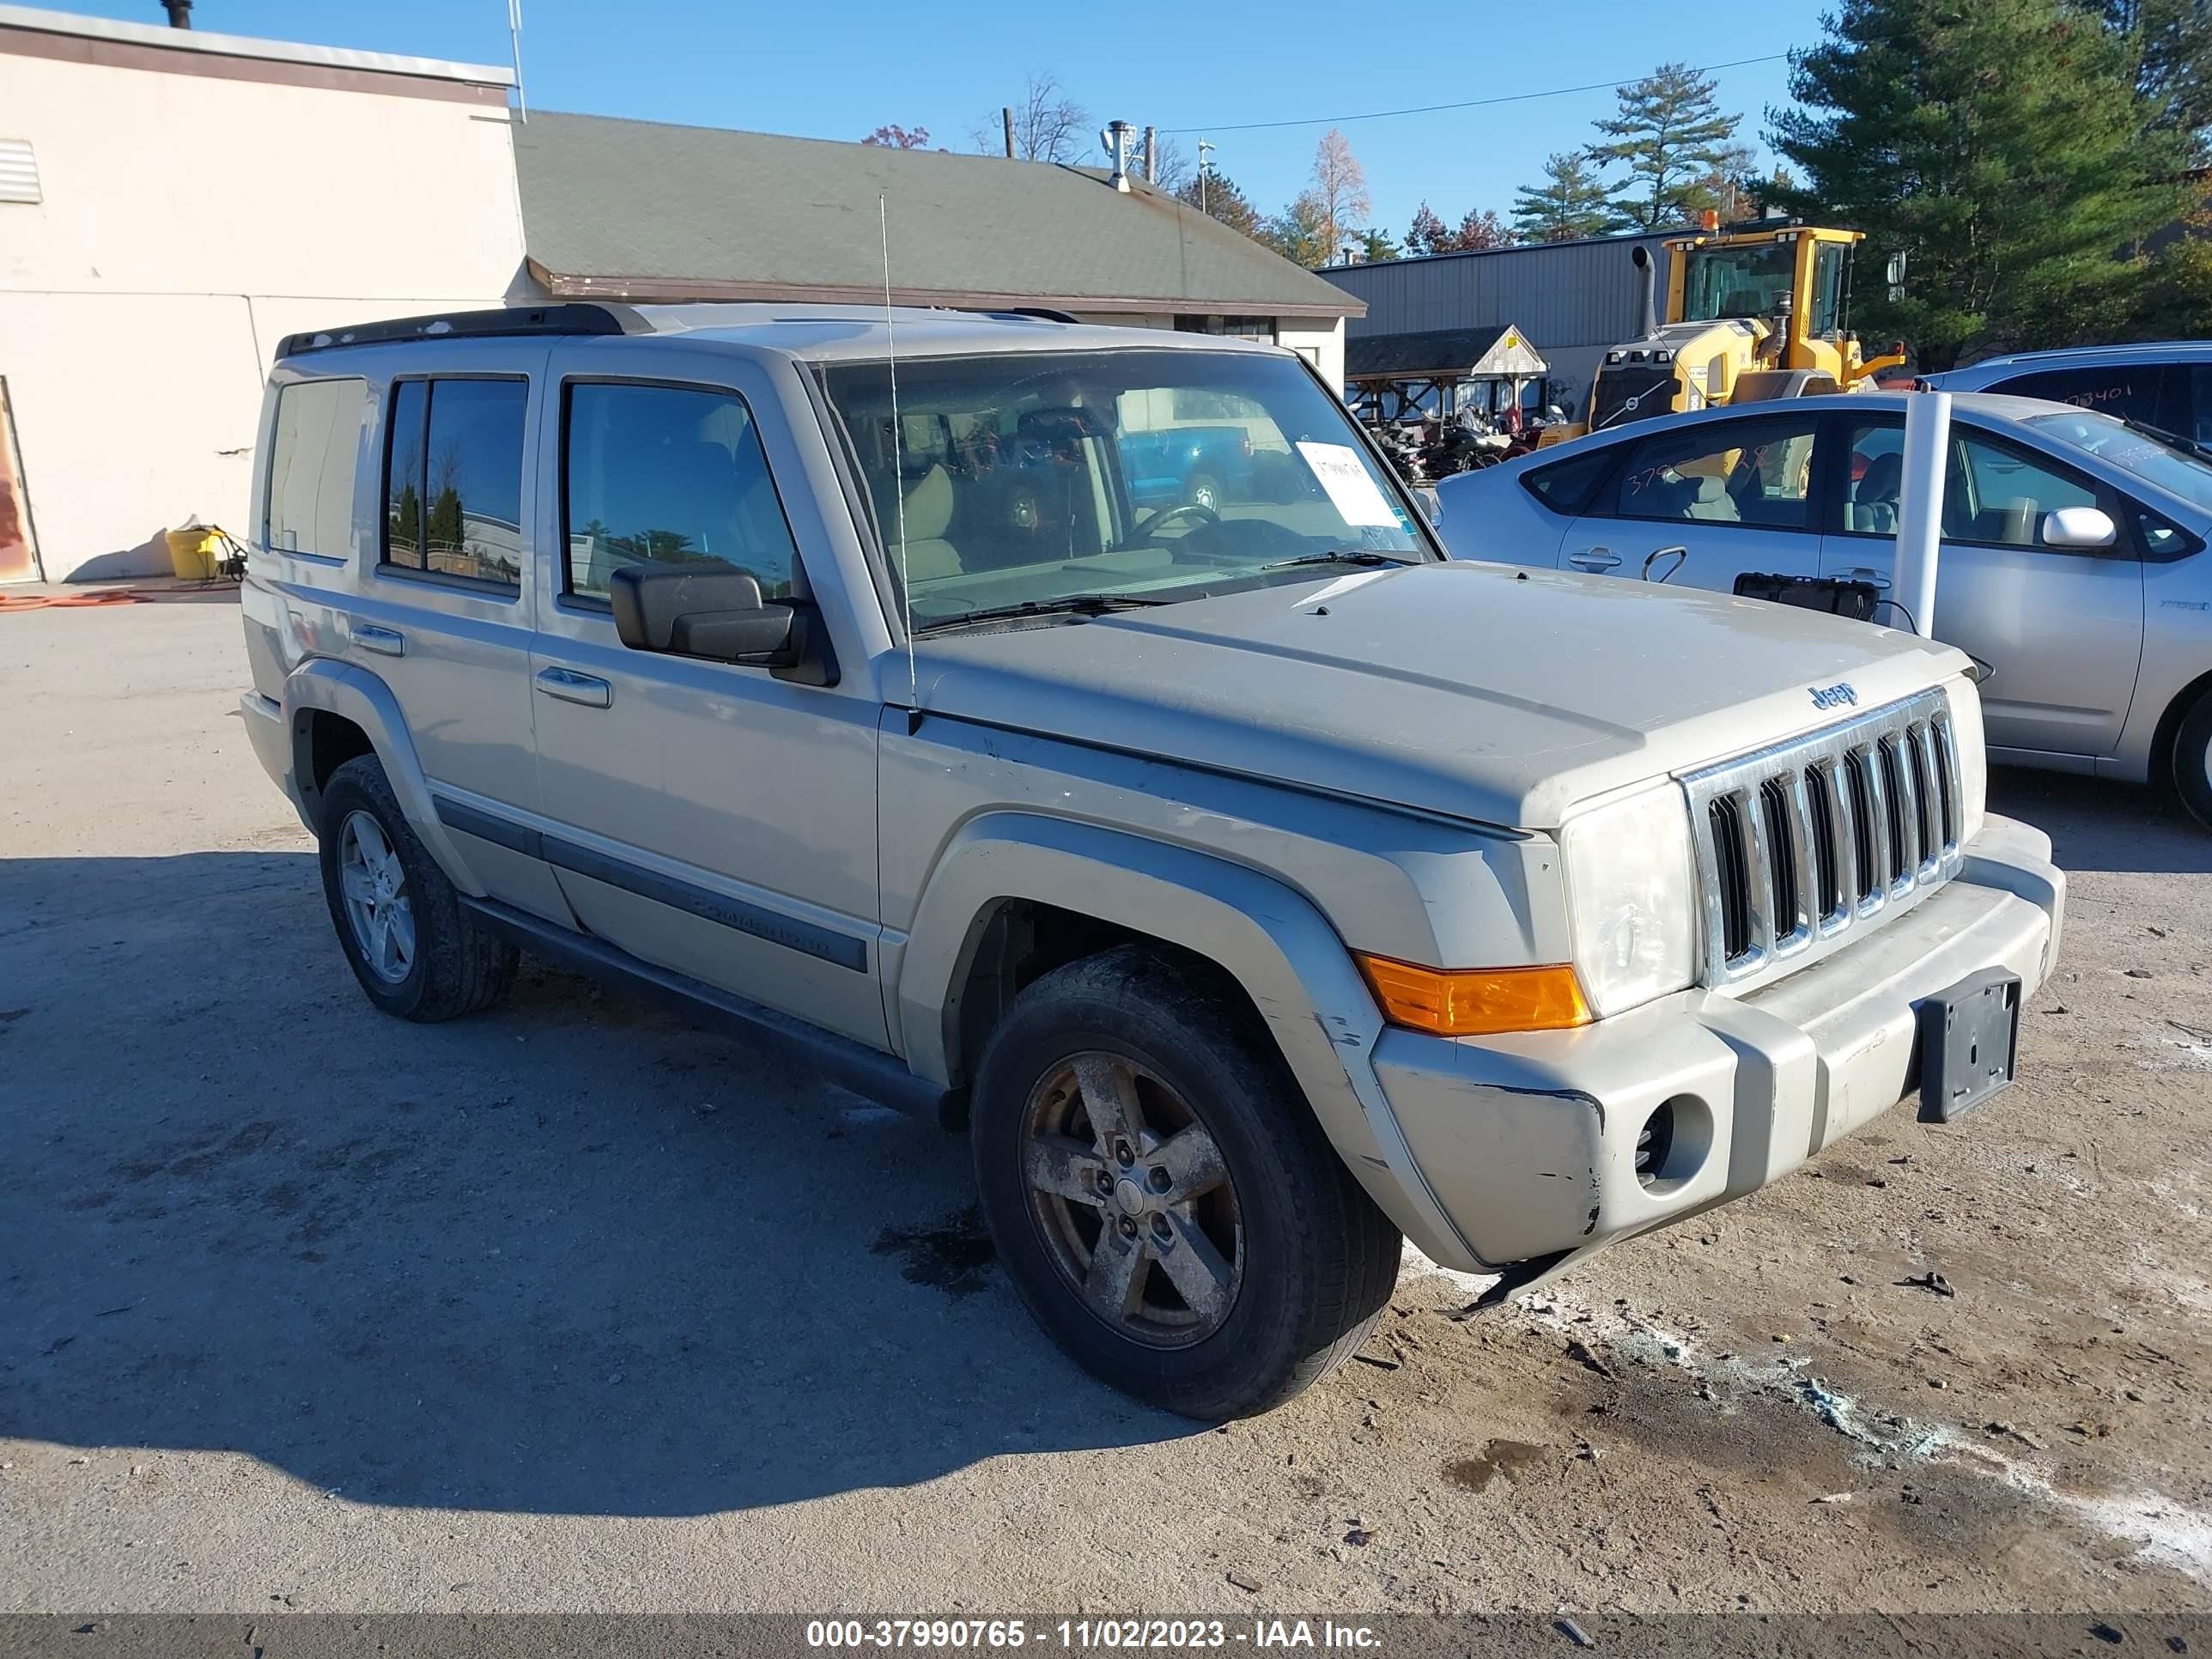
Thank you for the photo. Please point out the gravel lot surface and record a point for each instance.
(572, 1306)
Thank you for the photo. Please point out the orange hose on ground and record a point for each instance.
(43, 601)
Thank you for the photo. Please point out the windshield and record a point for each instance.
(2140, 449)
(1043, 478)
(1738, 282)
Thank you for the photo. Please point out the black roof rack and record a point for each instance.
(472, 324)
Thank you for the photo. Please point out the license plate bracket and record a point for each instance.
(1969, 1040)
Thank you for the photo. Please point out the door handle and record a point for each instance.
(1869, 574)
(1595, 558)
(385, 641)
(569, 686)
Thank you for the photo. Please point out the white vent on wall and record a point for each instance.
(19, 172)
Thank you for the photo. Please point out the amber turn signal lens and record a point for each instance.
(1476, 1002)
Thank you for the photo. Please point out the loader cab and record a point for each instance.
(1793, 278)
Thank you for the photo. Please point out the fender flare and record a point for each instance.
(326, 686)
(1271, 940)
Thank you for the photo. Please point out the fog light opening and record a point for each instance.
(1672, 1144)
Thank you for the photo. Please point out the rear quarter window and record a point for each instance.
(1566, 485)
(314, 451)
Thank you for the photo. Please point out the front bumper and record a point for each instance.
(1528, 1142)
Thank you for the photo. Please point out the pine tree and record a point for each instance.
(1670, 135)
(2003, 147)
(1216, 195)
(2172, 40)
(1571, 203)
(1374, 244)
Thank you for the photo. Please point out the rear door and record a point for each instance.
(717, 820)
(1700, 505)
(444, 617)
(2061, 629)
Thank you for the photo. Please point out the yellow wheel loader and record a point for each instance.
(1753, 312)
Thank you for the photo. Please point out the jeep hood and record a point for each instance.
(1478, 691)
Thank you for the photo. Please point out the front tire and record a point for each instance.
(2192, 759)
(1163, 1199)
(410, 945)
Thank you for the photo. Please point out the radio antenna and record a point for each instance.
(898, 474)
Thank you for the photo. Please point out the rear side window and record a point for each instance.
(1566, 486)
(2127, 392)
(667, 475)
(314, 450)
(453, 478)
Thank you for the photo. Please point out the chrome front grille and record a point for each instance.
(1803, 842)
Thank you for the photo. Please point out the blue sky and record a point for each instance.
(837, 70)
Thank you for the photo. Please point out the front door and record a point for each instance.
(2061, 629)
(1700, 505)
(714, 820)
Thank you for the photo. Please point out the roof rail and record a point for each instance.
(1029, 313)
(472, 324)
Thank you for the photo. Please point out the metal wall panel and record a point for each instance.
(1566, 296)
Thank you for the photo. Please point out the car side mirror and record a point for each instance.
(1432, 505)
(2079, 527)
(712, 612)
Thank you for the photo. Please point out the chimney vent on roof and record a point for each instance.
(180, 13)
(1117, 139)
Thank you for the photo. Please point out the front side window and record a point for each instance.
(1994, 493)
(453, 478)
(1754, 473)
(1137, 476)
(668, 475)
(1738, 282)
(314, 448)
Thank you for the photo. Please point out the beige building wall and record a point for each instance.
(201, 196)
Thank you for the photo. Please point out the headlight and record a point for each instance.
(1632, 898)
(1974, 754)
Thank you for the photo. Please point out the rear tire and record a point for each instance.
(1162, 1196)
(2192, 759)
(416, 951)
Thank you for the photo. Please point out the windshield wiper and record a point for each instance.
(1366, 556)
(2171, 439)
(1066, 605)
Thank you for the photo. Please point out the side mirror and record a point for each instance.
(2079, 527)
(701, 611)
(1432, 505)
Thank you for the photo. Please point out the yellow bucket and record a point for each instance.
(194, 552)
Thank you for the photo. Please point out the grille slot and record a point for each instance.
(1828, 876)
(1813, 839)
(1733, 868)
(1866, 883)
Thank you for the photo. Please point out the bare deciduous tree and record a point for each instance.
(1049, 124)
(1338, 194)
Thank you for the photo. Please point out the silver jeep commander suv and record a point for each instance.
(1254, 885)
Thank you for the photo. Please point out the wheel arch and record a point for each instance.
(335, 711)
(1269, 940)
(2168, 729)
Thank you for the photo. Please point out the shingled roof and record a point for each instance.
(642, 210)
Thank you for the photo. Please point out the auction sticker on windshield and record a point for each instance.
(1352, 489)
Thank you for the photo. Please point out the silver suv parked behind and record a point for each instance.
(1256, 886)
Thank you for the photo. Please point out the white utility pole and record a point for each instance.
(1920, 508)
(1204, 158)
